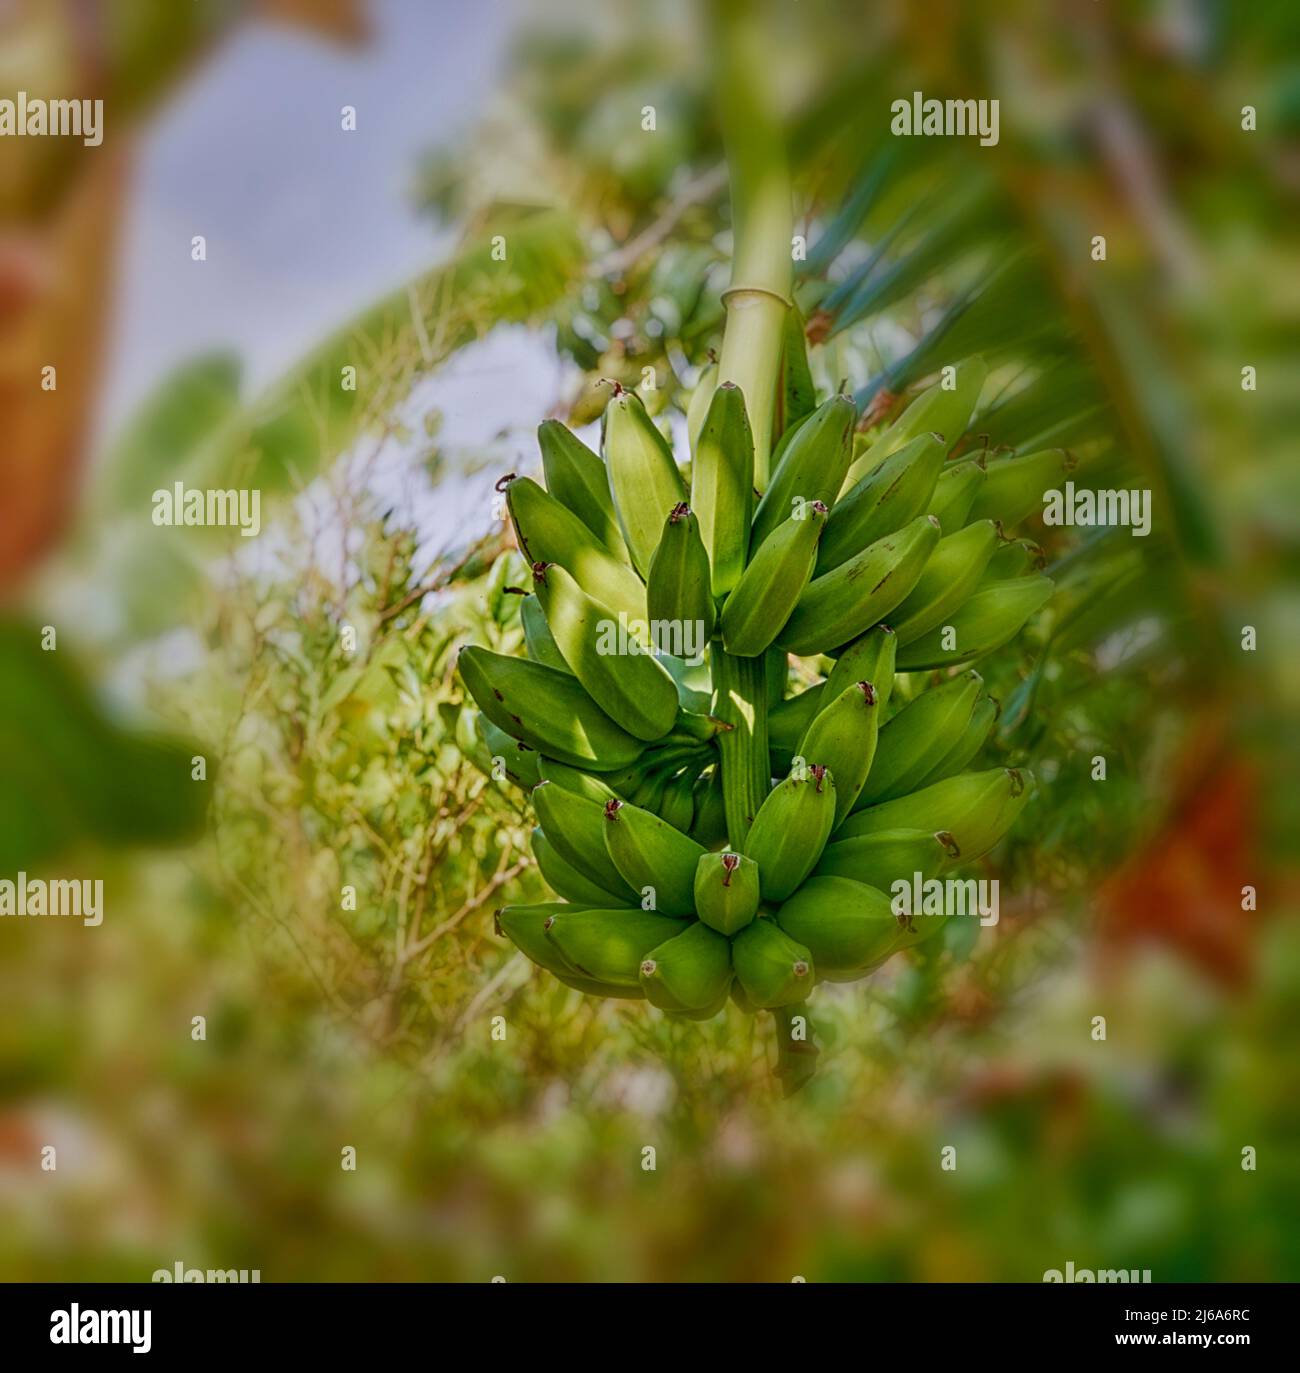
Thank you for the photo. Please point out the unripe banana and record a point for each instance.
(1015, 558)
(698, 405)
(633, 688)
(691, 971)
(934, 411)
(844, 734)
(547, 709)
(1013, 488)
(522, 764)
(841, 605)
(574, 828)
(811, 469)
(678, 805)
(548, 533)
(609, 945)
(576, 477)
(677, 589)
(846, 926)
(952, 574)
(788, 722)
(791, 829)
(597, 789)
(880, 859)
(976, 808)
(726, 891)
(566, 880)
(722, 485)
(538, 638)
(710, 824)
(996, 613)
(971, 741)
(869, 658)
(918, 738)
(525, 928)
(772, 969)
(770, 586)
(883, 501)
(798, 395)
(955, 492)
(649, 852)
(643, 477)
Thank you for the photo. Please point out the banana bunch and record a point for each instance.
(714, 836)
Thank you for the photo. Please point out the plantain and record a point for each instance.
(709, 825)
(566, 880)
(788, 722)
(697, 408)
(525, 927)
(1014, 558)
(726, 891)
(1013, 487)
(959, 757)
(633, 687)
(884, 500)
(811, 468)
(574, 828)
(955, 491)
(842, 604)
(690, 971)
(772, 969)
(677, 589)
(722, 486)
(548, 710)
(608, 945)
(576, 477)
(996, 613)
(538, 639)
(771, 585)
(975, 808)
(882, 858)
(847, 926)
(868, 658)
(549, 533)
(652, 857)
(949, 579)
(678, 805)
(643, 477)
(791, 829)
(597, 789)
(522, 764)
(844, 733)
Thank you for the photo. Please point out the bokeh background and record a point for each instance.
(370, 1028)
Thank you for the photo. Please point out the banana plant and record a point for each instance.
(724, 801)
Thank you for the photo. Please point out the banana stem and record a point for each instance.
(740, 698)
(762, 223)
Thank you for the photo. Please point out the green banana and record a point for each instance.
(971, 741)
(549, 533)
(798, 396)
(869, 658)
(690, 971)
(546, 709)
(880, 859)
(597, 789)
(643, 477)
(791, 829)
(845, 733)
(576, 477)
(771, 585)
(934, 411)
(677, 588)
(918, 738)
(698, 406)
(950, 577)
(574, 828)
(609, 945)
(522, 764)
(975, 808)
(955, 492)
(848, 927)
(788, 722)
(726, 891)
(1013, 488)
(525, 926)
(1015, 558)
(678, 805)
(565, 879)
(722, 485)
(811, 469)
(884, 500)
(709, 826)
(649, 853)
(997, 612)
(771, 968)
(538, 638)
(633, 688)
(842, 604)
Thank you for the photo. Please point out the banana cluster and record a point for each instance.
(889, 558)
